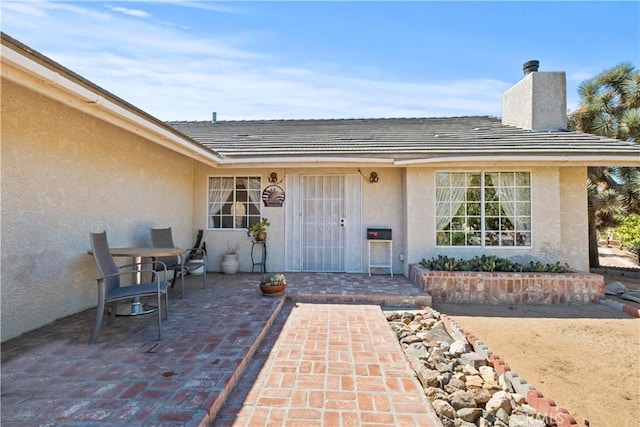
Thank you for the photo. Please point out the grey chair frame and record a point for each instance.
(181, 264)
(110, 291)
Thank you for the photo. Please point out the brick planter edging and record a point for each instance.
(509, 288)
(509, 379)
(619, 306)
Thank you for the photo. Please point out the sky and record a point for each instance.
(184, 60)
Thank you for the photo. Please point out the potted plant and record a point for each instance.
(259, 230)
(230, 263)
(273, 284)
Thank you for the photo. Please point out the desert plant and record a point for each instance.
(232, 248)
(490, 263)
(257, 228)
(273, 279)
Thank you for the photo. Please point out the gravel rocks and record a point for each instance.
(461, 385)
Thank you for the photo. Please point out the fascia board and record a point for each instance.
(599, 160)
(315, 162)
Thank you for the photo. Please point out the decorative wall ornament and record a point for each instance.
(372, 178)
(273, 196)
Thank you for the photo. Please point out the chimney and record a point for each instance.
(530, 67)
(214, 118)
(538, 101)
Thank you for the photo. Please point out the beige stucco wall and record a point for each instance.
(382, 206)
(65, 174)
(559, 218)
(574, 221)
(217, 240)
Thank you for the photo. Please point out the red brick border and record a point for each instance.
(509, 288)
(631, 310)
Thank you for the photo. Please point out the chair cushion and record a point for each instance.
(189, 266)
(171, 267)
(137, 290)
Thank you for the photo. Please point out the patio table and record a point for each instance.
(137, 253)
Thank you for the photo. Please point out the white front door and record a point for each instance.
(324, 223)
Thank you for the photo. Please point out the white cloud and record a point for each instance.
(24, 8)
(130, 12)
(206, 5)
(174, 74)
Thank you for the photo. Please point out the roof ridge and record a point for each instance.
(362, 119)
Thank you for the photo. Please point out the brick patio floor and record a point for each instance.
(228, 356)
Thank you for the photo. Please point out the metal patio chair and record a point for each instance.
(110, 290)
(181, 265)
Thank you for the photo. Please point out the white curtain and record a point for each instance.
(504, 184)
(253, 189)
(455, 193)
(219, 191)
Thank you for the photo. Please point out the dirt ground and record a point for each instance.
(585, 358)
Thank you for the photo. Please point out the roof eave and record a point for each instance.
(537, 160)
(315, 162)
(26, 68)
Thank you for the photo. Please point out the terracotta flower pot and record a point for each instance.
(272, 289)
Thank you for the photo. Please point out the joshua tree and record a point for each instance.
(610, 107)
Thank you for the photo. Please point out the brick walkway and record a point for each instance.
(51, 376)
(331, 365)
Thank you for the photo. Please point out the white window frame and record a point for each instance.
(233, 202)
(514, 214)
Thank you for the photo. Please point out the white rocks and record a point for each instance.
(455, 384)
(462, 399)
(480, 395)
(488, 374)
(417, 350)
(438, 332)
(444, 409)
(469, 415)
(428, 323)
(458, 381)
(428, 377)
(474, 359)
(458, 347)
(474, 381)
(435, 393)
(519, 399)
(470, 370)
(500, 400)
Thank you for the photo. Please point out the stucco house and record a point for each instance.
(78, 159)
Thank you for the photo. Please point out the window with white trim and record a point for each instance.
(234, 201)
(483, 209)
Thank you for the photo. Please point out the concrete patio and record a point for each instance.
(305, 360)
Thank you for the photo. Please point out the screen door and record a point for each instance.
(324, 223)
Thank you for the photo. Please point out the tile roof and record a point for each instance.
(395, 139)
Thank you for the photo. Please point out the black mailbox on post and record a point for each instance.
(378, 234)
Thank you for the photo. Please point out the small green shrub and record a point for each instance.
(628, 233)
(490, 263)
